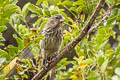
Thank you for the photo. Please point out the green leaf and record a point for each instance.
(53, 12)
(2, 39)
(111, 20)
(100, 60)
(25, 9)
(2, 60)
(37, 23)
(28, 62)
(33, 15)
(12, 50)
(73, 9)
(80, 2)
(118, 2)
(1, 75)
(3, 28)
(39, 1)
(10, 66)
(45, 4)
(10, 9)
(115, 11)
(19, 41)
(88, 61)
(47, 12)
(67, 3)
(61, 66)
(4, 54)
(3, 21)
(117, 51)
(1, 2)
(109, 1)
(39, 37)
(102, 44)
(35, 9)
(2, 44)
(104, 65)
(42, 25)
(117, 71)
(93, 5)
(21, 73)
(18, 22)
(25, 76)
(93, 75)
(115, 77)
(80, 52)
(14, 1)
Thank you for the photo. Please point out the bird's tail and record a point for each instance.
(52, 73)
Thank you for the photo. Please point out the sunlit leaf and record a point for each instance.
(67, 2)
(3, 28)
(12, 50)
(88, 61)
(10, 66)
(35, 9)
(19, 41)
(47, 12)
(2, 60)
(42, 25)
(111, 20)
(25, 9)
(115, 77)
(117, 71)
(3, 21)
(10, 9)
(100, 60)
(4, 54)
(104, 65)
(82, 17)
(39, 38)
(39, 1)
(73, 77)
(118, 50)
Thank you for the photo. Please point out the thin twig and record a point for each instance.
(94, 28)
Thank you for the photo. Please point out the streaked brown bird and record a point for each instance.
(53, 36)
(53, 39)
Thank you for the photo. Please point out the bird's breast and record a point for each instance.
(52, 41)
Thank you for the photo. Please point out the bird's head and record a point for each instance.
(55, 21)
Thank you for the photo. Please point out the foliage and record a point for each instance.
(96, 58)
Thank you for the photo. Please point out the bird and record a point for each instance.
(51, 44)
(53, 33)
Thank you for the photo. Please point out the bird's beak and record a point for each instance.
(62, 19)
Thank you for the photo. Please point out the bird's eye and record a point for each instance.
(57, 17)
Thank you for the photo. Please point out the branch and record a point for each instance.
(71, 45)
(94, 28)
